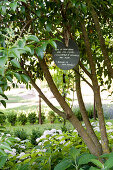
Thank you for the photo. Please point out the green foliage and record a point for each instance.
(2, 118)
(12, 118)
(51, 116)
(22, 118)
(35, 134)
(21, 134)
(32, 117)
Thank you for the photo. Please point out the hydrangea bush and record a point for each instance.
(54, 150)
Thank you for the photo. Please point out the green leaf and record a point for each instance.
(21, 43)
(53, 44)
(1, 91)
(84, 8)
(15, 52)
(94, 168)
(2, 70)
(107, 155)
(97, 163)
(23, 0)
(3, 9)
(15, 63)
(40, 52)
(33, 38)
(109, 163)
(3, 61)
(27, 49)
(9, 78)
(3, 103)
(3, 160)
(74, 153)
(5, 146)
(48, 27)
(64, 164)
(85, 158)
(13, 5)
(17, 75)
(3, 95)
(25, 78)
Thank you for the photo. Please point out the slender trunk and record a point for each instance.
(94, 111)
(40, 120)
(96, 89)
(89, 128)
(69, 114)
(64, 94)
(101, 39)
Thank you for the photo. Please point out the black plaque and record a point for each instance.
(64, 57)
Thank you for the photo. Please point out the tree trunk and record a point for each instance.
(89, 128)
(69, 114)
(40, 119)
(96, 89)
(101, 39)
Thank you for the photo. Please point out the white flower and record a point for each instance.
(97, 129)
(40, 143)
(62, 142)
(24, 141)
(8, 135)
(59, 131)
(2, 134)
(38, 139)
(13, 152)
(67, 143)
(111, 136)
(6, 151)
(75, 130)
(53, 131)
(93, 123)
(22, 146)
(44, 150)
(46, 132)
(21, 154)
(18, 139)
(97, 124)
(110, 130)
(109, 123)
(60, 137)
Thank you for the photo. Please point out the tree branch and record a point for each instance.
(101, 39)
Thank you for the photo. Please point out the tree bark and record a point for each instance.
(40, 120)
(89, 128)
(101, 39)
(96, 89)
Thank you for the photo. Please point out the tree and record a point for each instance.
(82, 21)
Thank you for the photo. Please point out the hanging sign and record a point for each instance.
(64, 57)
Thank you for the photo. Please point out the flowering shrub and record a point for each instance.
(53, 150)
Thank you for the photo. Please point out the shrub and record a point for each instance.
(22, 118)
(2, 118)
(42, 118)
(21, 134)
(12, 118)
(51, 116)
(32, 117)
(77, 113)
(35, 134)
